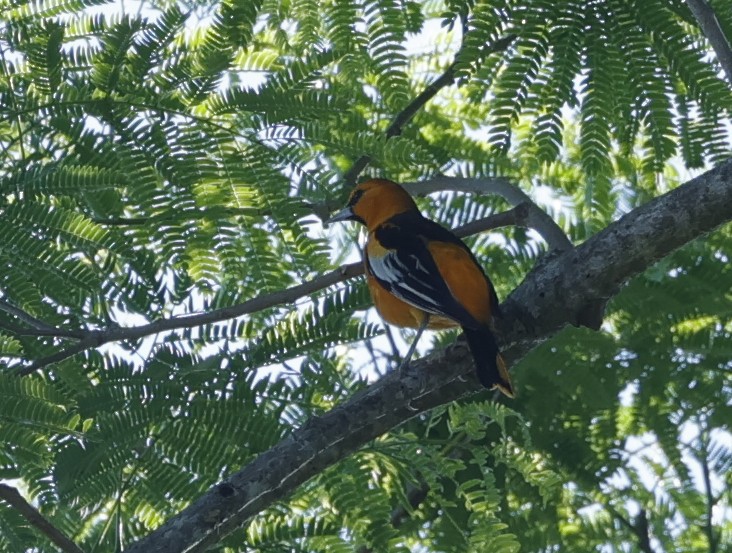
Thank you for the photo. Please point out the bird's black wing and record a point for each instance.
(402, 263)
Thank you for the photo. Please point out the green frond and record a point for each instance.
(566, 44)
(395, 151)
(45, 57)
(302, 74)
(685, 57)
(9, 346)
(598, 87)
(52, 273)
(309, 30)
(700, 137)
(117, 41)
(511, 87)
(719, 456)
(75, 230)
(37, 9)
(385, 24)
(232, 28)
(16, 532)
(344, 19)
(485, 531)
(61, 179)
(272, 530)
(293, 336)
(37, 408)
(277, 106)
(155, 41)
(485, 25)
(353, 494)
(133, 447)
(215, 47)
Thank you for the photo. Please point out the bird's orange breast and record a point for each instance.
(398, 312)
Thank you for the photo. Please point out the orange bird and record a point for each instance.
(423, 276)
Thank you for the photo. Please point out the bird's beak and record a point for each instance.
(343, 215)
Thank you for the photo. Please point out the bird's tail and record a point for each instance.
(489, 363)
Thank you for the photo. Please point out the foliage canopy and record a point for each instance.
(171, 159)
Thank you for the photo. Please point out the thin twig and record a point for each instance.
(372, 353)
(405, 116)
(712, 538)
(709, 24)
(518, 216)
(537, 218)
(415, 496)
(643, 531)
(40, 328)
(20, 330)
(51, 333)
(640, 528)
(395, 356)
(96, 338)
(13, 498)
(57, 357)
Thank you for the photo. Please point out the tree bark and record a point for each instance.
(556, 293)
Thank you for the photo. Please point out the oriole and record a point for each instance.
(421, 275)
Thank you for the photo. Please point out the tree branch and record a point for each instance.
(97, 338)
(59, 356)
(38, 327)
(13, 498)
(709, 24)
(639, 528)
(405, 116)
(545, 302)
(712, 537)
(536, 217)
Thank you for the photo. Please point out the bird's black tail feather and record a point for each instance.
(489, 363)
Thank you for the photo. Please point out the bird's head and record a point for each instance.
(374, 201)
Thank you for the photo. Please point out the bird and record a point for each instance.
(420, 275)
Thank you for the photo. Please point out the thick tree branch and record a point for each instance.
(13, 498)
(546, 301)
(594, 270)
(95, 338)
(709, 24)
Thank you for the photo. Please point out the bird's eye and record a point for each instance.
(355, 197)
